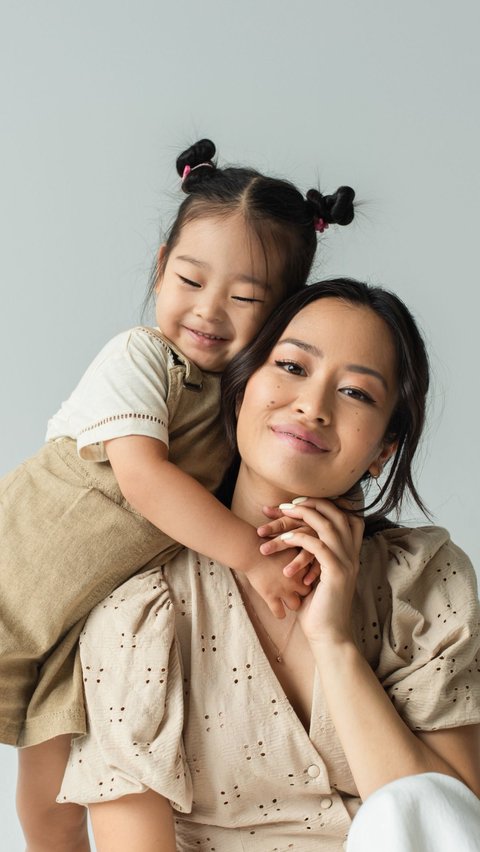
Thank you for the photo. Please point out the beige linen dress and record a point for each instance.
(67, 535)
(182, 699)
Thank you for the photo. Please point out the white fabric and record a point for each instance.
(123, 392)
(421, 813)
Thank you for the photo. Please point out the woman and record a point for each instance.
(288, 725)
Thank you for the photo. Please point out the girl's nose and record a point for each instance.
(210, 306)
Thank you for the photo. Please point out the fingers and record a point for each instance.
(276, 607)
(334, 571)
(358, 526)
(312, 574)
(293, 602)
(278, 526)
(278, 544)
(272, 511)
(299, 563)
(340, 531)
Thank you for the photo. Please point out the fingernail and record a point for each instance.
(286, 506)
(286, 536)
(299, 500)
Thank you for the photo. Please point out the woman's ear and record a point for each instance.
(160, 266)
(376, 467)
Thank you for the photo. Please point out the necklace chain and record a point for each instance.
(279, 650)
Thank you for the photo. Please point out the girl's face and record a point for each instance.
(213, 294)
(313, 418)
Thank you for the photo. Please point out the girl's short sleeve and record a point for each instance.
(134, 694)
(430, 659)
(123, 392)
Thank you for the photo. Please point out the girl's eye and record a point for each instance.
(291, 367)
(188, 281)
(356, 393)
(244, 299)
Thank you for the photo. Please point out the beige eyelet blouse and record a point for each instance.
(181, 697)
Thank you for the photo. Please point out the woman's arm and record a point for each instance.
(177, 504)
(142, 822)
(378, 744)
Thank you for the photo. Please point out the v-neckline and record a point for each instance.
(258, 645)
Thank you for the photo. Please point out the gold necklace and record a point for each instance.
(279, 651)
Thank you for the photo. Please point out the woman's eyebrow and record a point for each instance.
(352, 368)
(359, 368)
(242, 279)
(302, 344)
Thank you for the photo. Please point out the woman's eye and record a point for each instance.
(291, 367)
(356, 393)
(189, 281)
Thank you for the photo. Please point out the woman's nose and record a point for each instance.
(315, 404)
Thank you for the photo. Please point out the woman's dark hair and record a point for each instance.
(407, 420)
(275, 211)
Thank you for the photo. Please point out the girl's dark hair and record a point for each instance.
(407, 420)
(275, 211)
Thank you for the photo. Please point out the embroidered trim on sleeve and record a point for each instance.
(128, 416)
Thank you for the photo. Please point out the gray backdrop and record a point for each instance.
(97, 98)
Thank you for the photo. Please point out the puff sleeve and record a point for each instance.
(429, 662)
(134, 695)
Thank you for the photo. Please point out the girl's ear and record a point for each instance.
(376, 467)
(160, 265)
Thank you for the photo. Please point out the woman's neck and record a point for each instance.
(252, 493)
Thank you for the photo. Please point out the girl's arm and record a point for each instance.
(142, 822)
(378, 745)
(182, 508)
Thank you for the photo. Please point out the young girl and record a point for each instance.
(132, 455)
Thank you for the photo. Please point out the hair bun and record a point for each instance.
(201, 152)
(335, 209)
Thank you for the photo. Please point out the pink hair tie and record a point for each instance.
(320, 225)
(189, 169)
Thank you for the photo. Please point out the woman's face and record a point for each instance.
(314, 416)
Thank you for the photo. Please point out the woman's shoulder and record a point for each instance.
(419, 624)
(419, 569)
(412, 551)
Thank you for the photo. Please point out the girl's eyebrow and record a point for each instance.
(243, 279)
(352, 368)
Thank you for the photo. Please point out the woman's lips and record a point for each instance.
(300, 439)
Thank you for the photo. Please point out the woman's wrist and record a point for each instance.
(333, 645)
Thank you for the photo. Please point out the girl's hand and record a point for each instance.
(334, 540)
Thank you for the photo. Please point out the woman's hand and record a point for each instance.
(333, 537)
(273, 530)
